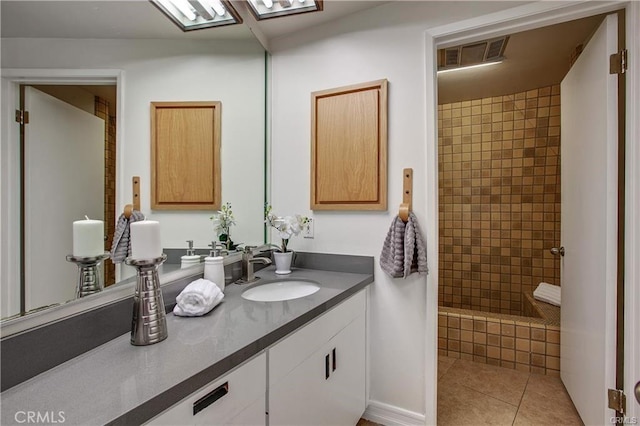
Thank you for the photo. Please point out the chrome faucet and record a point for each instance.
(266, 247)
(248, 260)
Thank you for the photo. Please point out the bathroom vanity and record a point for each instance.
(298, 361)
(316, 377)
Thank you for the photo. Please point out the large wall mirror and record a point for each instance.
(141, 71)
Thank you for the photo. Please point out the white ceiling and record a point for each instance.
(535, 58)
(139, 19)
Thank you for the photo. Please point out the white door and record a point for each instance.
(64, 181)
(589, 226)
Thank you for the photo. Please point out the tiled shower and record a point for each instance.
(499, 214)
(107, 113)
(499, 199)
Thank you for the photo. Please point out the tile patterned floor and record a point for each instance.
(471, 393)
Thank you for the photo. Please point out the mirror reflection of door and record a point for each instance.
(69, 162)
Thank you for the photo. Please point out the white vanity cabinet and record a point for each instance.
(238, 398)
(317, 375)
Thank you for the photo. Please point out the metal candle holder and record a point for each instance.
(149, 323)
(90, 278)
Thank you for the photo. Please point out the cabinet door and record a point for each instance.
(349, 147)
(236, 398)
(299, 398)
(185, 155)
(290, 352)
(346, 393)
(326, 389)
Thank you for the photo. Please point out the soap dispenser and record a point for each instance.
(214, 266)
(190, 258)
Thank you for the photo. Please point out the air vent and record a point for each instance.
(452, 57)
(472, 54)
(496, 48)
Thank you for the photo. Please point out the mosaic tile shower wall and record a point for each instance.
(105, 111)
(499, 199)
(530, 345)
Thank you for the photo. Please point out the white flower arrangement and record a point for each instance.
(287, 226)
(223, 220)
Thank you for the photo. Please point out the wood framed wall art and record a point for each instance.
(185, 155)
(349, 147)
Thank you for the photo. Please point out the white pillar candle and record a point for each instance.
(145, 240)
(88, 238)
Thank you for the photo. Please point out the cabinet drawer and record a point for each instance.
(222, 400)
(285, 355)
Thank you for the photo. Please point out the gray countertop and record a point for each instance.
(118, 383)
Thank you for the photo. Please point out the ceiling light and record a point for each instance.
(197, 14)
(468, 67)
(265, 9)
(217, 6)
(204, 10)
(184, 8)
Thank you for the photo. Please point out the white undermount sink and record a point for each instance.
(276, 291)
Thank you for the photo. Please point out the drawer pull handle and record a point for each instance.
(210, 398)
(334, 359)
(326, 367)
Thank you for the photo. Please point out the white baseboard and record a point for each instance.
(389, 415)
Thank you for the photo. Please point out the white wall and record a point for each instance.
(385, 42)
(171, 70)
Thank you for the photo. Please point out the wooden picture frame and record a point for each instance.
(185, 155)
(349, 147)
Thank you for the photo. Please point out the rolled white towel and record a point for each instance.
(197, 298)
(548, 293)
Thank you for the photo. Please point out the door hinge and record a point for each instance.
(618, 62)
(22, 117)
(617, 400)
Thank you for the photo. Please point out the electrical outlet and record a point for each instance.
(307, 231)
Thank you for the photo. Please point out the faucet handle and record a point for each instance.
(190, 250)
(249, 249)
(216, 249)
(266, 247)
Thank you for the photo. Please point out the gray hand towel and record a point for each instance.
(121, 247)
(415, 251)
(404, 251)
(392, 256)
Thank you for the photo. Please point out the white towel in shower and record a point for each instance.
(197, 298)
(548, 293)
